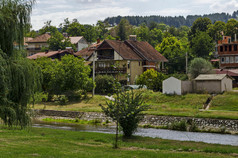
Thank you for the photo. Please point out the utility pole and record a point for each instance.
(93, 73)
(186, 62)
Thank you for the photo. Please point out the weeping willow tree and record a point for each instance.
(20, 78)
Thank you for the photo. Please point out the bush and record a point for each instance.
(199, 66)
(180, 126)
(106, 84)
(152, 79)
(61, 99)
(126, 110)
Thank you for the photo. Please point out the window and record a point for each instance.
(128, 64)
(101, 64)
(225, 48)
(236, 59)
(221, 48)
(230, 48)
(222, 60)
(232, 60)
(227, 60)
(235, 47)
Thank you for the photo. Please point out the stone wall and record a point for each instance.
(153, 120)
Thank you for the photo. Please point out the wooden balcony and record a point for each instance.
(110, 70)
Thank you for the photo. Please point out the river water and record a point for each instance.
(211, 138)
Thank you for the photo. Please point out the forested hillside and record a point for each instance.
(176, 21)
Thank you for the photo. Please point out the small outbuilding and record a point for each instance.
(173, 85)
(213, 83)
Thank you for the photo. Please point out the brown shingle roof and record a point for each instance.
(49, 54)
(87, 52)
(123, 50)
(146, 50)
(40, 39)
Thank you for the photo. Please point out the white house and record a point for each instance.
(79, 41)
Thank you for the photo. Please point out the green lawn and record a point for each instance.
(38, 142)
(223, 106)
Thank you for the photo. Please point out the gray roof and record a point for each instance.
(211, 77)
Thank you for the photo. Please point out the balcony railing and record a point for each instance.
(110, 70)
(34, 49)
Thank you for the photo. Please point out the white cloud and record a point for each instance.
(88, 16)
(228, 6)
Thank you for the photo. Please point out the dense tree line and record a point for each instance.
(176, 21)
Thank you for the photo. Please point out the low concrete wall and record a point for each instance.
(202, 123)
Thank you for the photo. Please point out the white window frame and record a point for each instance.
(227, 60)
(236, 59)
(232, 60)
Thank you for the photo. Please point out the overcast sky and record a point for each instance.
(90, 11)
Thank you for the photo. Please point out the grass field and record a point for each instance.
(50, 143)
(223, 106)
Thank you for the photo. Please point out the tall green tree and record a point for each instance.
(215, 30)
(20, 77)
(122, 29)
(202, 45)
(48, 28)
(231, 28)
(174, 50)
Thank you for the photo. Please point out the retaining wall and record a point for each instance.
(203, 123)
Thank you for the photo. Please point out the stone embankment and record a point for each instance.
(152, 120)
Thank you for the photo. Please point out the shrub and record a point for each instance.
(127, 110)
(152, 79)
(180, 126)
(199, 66)
(61, 99)
(106, 84)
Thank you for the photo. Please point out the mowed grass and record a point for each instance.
(51, 143)
(227, 101)
(188, 105)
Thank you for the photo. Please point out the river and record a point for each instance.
(212, 138)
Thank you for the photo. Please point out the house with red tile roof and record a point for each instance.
(124, 59)
(35, 45)
(52, 54)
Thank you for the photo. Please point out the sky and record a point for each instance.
(90, 11)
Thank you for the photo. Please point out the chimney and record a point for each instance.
(235, 37)
(48, 33)
(46, 51)
(59, 50)
(132, 37)
(98, 40)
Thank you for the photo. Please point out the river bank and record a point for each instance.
(202, 124)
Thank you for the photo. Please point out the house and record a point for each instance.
(125, 59)
(80, 42)
(231, 72)
(173, 86)
(213, 83)
(86, 53)
(52, 54)
(228, 53)
(36, 44)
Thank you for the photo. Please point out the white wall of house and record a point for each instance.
(117, 56)
(81, 46)
(172, 85)
(226, 84)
